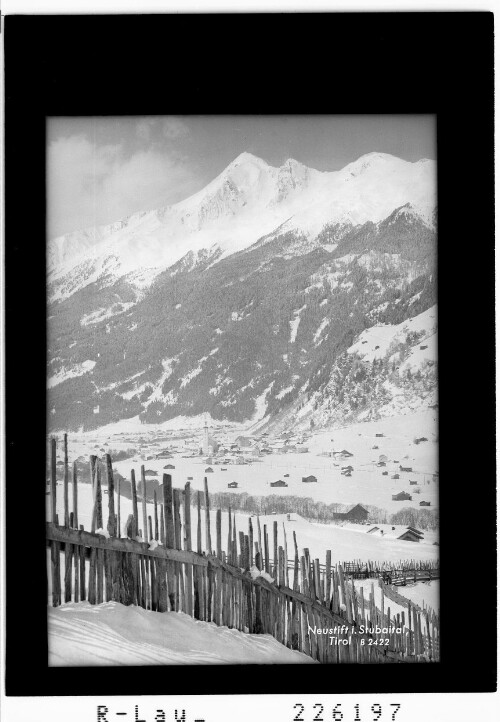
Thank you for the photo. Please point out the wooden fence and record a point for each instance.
(411, 570)
(247, 586)
(429, 616)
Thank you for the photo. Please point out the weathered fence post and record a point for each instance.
(98, 496)
(258, 599)
(144, 511)
(118, 503)
(54, 547)
(266, 550)
(250, 543)
(162, 525)
(229, 539)
(218, 525)
(207, 519)
(53, 481)
(275, 539)
(83, 595)
(75, 526)
(235, 552)
(179, 571)
(111, 497)
(169, 538)
(66, 481)
(155, 502)
(187, 545)
(198, 580)
(135, 510)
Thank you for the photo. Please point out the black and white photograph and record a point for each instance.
(249, 367)
(242, 382)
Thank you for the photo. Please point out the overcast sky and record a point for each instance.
(103, 169)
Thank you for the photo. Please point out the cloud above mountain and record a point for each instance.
(170, 128)
(91, 184)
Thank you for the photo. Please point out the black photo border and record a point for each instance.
(439, 63)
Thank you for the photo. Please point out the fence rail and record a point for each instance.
(251, 585)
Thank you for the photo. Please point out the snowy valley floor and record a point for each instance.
(367, 485)
(112, 634)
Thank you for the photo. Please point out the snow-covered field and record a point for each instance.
(367, 485)
(346, 544)
(376, 342)
(112, 634)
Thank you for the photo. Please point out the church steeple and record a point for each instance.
(205, 437)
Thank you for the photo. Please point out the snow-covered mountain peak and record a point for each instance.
(374, 162)
(247, 201)
(375, 156)
(247, 158)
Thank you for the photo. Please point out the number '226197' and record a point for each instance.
(374, 714)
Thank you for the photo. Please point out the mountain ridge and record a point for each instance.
(224, 212)
(255, 329)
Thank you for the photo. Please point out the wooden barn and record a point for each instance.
(395, 476)
(410, 535)
(280, 482)
(413, 482)
(417, 531)
(402, 496)
(405, 468)
(209, 470)
(232, 485)
(357, 513)
(309, 479)
(425, 503)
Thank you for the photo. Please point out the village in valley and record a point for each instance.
(363, 473)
